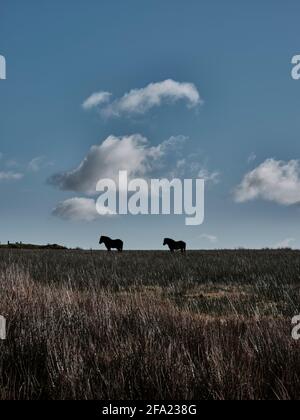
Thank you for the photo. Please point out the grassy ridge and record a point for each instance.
(85, 325)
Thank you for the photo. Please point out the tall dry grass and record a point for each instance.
(149, 325)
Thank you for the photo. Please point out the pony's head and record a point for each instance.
(166, 241)
(102, 239)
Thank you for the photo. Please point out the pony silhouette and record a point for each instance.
(111, 243)
(175, 245)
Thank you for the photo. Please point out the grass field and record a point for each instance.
(138, 325)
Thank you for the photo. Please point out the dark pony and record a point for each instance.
(174, 245)
(111, 243)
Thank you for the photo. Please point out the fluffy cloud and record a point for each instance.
(273, 180)
(96, 99)
(213, 177)
(10, 176)
(139, 101)
(131, 153)
(77, 209)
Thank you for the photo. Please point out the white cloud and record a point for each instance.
(96, 99)
(273, 180)
(213, 177)
(131, 153)
(286, 243)
(10, 176)
(211, 238)
(139, 101)
(135, 155)
(174, 143)
(77, 209)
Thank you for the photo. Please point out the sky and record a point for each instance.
(177, 87)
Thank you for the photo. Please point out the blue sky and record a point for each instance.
(238, 56)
